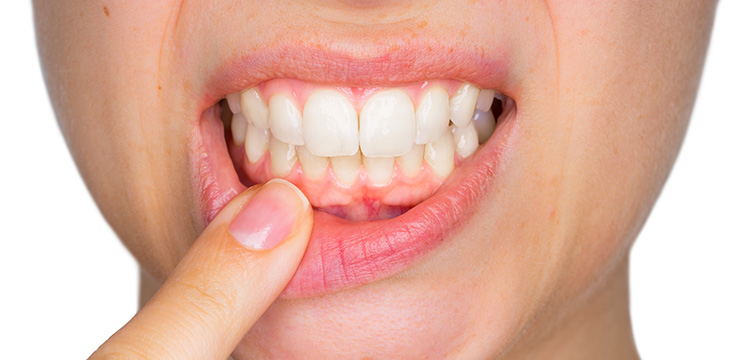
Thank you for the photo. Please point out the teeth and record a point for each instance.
(330, 125)
(285, 120)
(432, 115)
(254, 109)
(379, 169)
(389, 129)
(463, 104)
(346, 168)
(486, 97)
(440, 155)
(238, 129)
(466, 140)
(484, 121)
(234, 102)
(313, 166)
(283, 157)
(256, 143)
(412, 161)
(387, 124)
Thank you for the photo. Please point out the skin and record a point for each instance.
(604, 93)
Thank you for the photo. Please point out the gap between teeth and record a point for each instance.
(389, 129)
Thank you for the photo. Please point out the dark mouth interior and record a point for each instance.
(500, 107)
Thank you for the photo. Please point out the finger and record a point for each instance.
(229, 277)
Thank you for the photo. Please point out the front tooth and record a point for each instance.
(285, 120)
(486, 97)
(283, 157)
(466, 140)
(256, 143)
(484, 121)
(234, 102)
(346, 168)
(254, 109)
(313, 166)
(463, 104)
(432, 115)
(412, 161)
(379, 169)
(330, 125)
(238, 129)
(440, 155)
(387, 124)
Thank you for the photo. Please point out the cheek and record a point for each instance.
(625, 94)
(105, 85)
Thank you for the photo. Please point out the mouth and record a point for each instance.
(391, 170)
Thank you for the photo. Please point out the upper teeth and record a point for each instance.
(331, 124)
(389, 126)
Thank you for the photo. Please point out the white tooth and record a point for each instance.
(440, 155)
(387, 124)
(346, 168)
(379, 169)
(486, 97)
(463, 103)
(285, 120)
(254, 109)
(256, 143)
(330, 125)
(432, 115)
(238, 129)
(283, 157)
(313, 166)
(234, 102)
(412, 161)
(484, 121)
(466, 140)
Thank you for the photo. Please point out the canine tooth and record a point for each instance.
(486, 97)
(238, 129)
(484, 121)
(285, 120)
(440, 155)
(234, 102)
(379, 169)
(254, 109)
(256, 143)
(313, 166)
(411, 161)
(283, 157)
(463, 104)
(330, 125)
(431, 118)
(387, 124)
(346, 168)
(466, 140)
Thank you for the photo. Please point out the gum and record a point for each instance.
(360, 201)
(299, 91)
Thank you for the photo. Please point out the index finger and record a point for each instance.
(229, 277)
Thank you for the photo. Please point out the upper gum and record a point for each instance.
(299, 90)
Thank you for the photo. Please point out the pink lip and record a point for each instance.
(343, 254)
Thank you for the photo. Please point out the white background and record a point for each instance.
(67, 283)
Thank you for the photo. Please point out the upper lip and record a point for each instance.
(347, 64)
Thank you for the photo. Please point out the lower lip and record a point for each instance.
(344, 254)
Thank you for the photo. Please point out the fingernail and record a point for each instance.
(270, 215)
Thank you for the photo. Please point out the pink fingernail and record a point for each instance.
(269, 216)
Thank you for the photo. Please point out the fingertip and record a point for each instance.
(270, 216)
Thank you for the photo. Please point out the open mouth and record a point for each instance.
(391, 171)
(361, 154)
